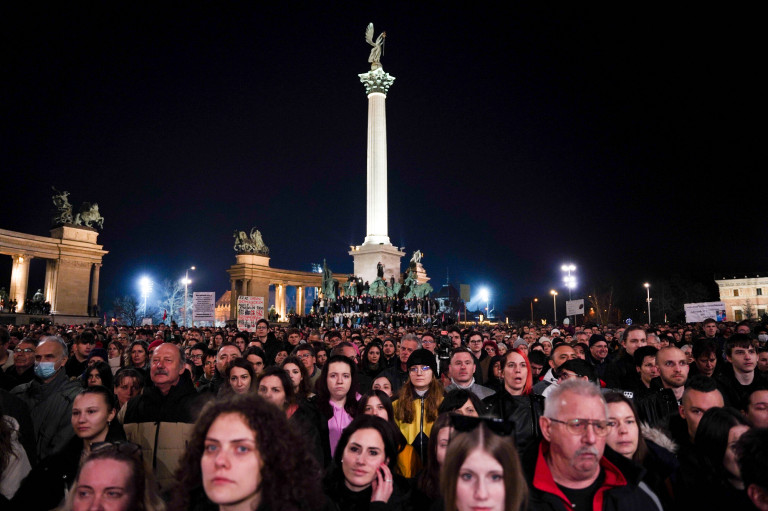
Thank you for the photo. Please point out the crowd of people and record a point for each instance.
(496, 417)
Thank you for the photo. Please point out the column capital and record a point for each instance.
(376, 81)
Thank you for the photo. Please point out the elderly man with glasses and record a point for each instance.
(572, 468)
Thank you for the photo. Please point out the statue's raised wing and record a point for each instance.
(369, 34)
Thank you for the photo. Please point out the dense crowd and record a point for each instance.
(494, 417)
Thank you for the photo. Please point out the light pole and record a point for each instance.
(534, 300)
(648, 300)
(145, 283)
(569, 280)
(554, 303)
(484, 295)
(187, 282)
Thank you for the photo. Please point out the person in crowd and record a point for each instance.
(739, 377)
(243, 455)
(657, 407)
(113, 477)
(296, 371)
(82, 347)
(383, 384)
(398, 372)
(226, 354)
(418, 400)
(306, 354)
(197, 358)
(281, 353)
(647, 369)
(160, 419)
(115, 351)
(49, 396)
(462, 370)
(363, 474)
(128, 384)
(23, 368)
(378, 403)
(516, 402)
(559, 355)
(239, 377)
(462, 402)
(257, 358)
(428, 480)
(491, 348)
(755, 407)
(752, 455)
(138, 356)
(97, 374)
(621, 372)
(336, 401)
(704, 354)
(570, 467)
(93, 414)
(482, 471)
(715, 466)
(14, 462)
(597, 355)
(538, 361)
(494, 380)
(275, 386)
(371, 363)
(652, 449)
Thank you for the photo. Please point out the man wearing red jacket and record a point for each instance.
(570, 469)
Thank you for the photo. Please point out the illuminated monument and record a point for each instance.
(376, 247)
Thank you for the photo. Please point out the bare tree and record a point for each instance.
(172, 300)
(602, 303)
(127, 310)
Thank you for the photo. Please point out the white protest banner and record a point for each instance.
(697, 312)
(574, 307)
(250, 309)
(204, 306)
(146, 321)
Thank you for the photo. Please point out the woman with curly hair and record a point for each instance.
(243, 455)
(491, 348)
(515, 402)
(296, 371)
(419, 400)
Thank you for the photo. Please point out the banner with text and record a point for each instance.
(250, 309)
(697, 312)
(204, 306)
(574, 307)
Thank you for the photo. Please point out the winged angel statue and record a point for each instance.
(378, 46)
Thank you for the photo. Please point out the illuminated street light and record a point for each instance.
(648, 299)
(569, 280)
(145, 284)
(534, 300)
(554, 303)
(186, 282)
(486, 297)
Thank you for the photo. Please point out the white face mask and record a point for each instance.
(762, 338)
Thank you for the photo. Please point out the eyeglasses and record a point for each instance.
(579, 426)
(127, 448)
(302, 356)
(422, 369)
(467, 423)
(23, 350)
(195, 357)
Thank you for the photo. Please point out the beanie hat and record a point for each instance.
(595, 339)
(154, 345)
(98, 352)
(422, 357)
(519, 342)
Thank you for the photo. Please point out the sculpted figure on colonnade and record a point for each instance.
(378, 46)
(63, 211)
(250, 244)
(89, 216)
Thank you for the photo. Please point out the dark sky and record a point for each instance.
(623, 139)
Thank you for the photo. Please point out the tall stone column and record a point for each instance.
(95, 286)
(300, 300)
(19, 280)
(233, 299)
(377, 84)
(280, 300)
(51, 282)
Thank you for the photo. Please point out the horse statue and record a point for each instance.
(250, 243)
(63, 213)
(89, 216)
(416, 259)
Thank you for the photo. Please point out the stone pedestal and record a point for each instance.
(421, 274)
(367, 257)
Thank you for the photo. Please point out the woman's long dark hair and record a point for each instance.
(290, 476)
(711, 442)
(324, 395)
(365, 365)
(304, 390)
(429, 478)
(290, 395)
(105, 373)
(642, 447)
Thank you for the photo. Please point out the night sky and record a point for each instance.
(623, 139)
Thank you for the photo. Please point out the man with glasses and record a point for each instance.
(23, 368)
(570, 468)
(80, 351)
(306, 354)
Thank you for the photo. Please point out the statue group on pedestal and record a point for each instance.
(88, 216)
(250, 243)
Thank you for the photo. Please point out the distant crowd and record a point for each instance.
(400, 416)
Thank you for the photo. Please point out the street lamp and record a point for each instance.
(648, 300)
(187, 282)
(534, 300)
(554, 303)
(485, 296)
(145, 284)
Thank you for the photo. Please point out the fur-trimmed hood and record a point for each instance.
(658, 437)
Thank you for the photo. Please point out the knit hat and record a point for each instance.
(519, 342)
(155, 344)
(98, 352)
(555, 331)
(422, 357)
(595, 339)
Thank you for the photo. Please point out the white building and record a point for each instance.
(744, 298)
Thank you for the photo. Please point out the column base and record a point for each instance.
(367, 257)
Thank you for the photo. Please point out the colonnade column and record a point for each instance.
(19, 280)
(51, 282)
(95, 286)
(280, 300)
(300, 300)
(233, 299)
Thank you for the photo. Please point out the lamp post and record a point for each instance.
(554, 303)
(187, 282)
(648, 300)
(534, 300)
(145, 283)
(569, 280)
(484, 295)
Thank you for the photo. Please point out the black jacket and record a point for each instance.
(523, 411)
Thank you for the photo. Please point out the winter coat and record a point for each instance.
(523, 411)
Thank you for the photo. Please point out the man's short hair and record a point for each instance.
(411, 337)
(86, 337)
(225, 344)
(129, 372)
(461, 349)
(55, 338)
(700, 383)
(708, 321)
(580, 367)
(182, 356)
(262, 320)
(201, 346)
(703, 347)
(242, 335)
(632, 328)
(738, 341)
(760, 387)
(576, 386)
(303, 347)
(333, 334)
(555, 348)
(537, 357)
(339, 348)
(642, 352)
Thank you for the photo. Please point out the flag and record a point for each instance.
(165, 314)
